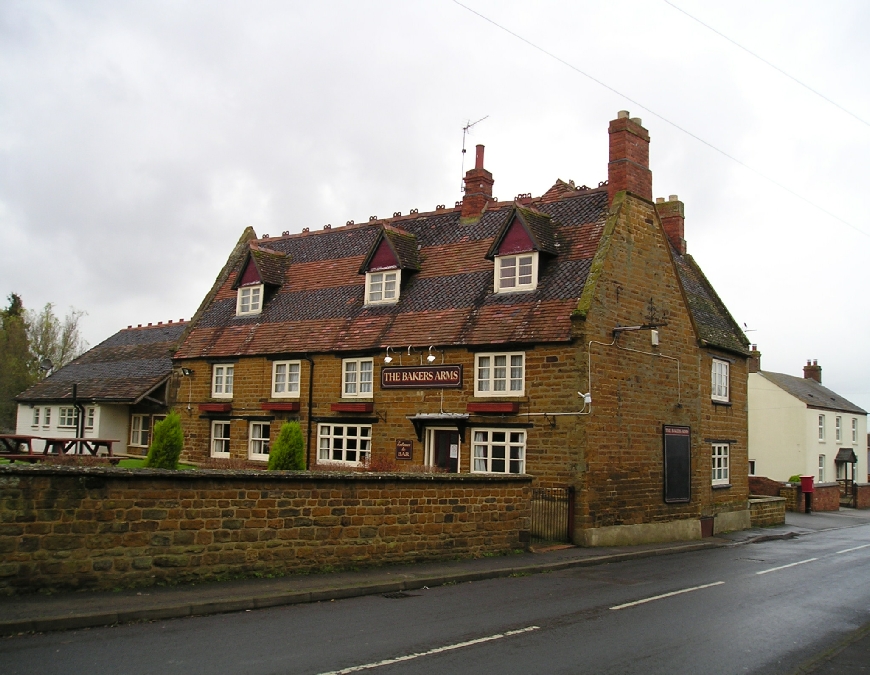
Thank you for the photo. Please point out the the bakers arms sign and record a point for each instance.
(421, 377)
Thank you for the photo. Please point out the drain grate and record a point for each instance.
(400, 594)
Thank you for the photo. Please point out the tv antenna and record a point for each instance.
(465, 131)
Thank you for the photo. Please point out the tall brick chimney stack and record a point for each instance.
(478, 188)
(672, 214)
(753, 363)
(629, 158)
(813, 371)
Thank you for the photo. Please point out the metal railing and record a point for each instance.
(552, 514)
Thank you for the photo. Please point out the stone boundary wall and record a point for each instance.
(102, 528)
(826, 497)
(765, 511)
(766, 487)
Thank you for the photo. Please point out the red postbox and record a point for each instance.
(807, 489)
(807, 484)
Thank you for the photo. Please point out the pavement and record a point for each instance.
(86, 609)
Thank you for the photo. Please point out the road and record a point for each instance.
(758, 608)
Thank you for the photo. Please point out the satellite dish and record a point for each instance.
(46, 364)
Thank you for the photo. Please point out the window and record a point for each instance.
(249, 300)
(720, 380)
(285, 379)
(222, 381)
(499, 374)
(821, 468)
(140, 430)
(89, 418)
(382, 288)
(349, 444)
(720, 464)
(220, 439)
(854, 430)
(35, 417)
(838, 428)
(67, 417)
(258, 446)
(499, 451)
(821, 428)
(516, 272)
(46, 418)
(356, 378)
(751, 467)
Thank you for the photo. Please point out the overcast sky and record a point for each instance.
(139, 139)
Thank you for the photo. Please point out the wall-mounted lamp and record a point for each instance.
(431, 357)
(388, 358)
(186, 372)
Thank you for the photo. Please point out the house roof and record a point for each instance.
(121, 369)
(812, 393)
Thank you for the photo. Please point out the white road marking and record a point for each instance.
(856, 548)
(667, 595)
(782, 567)
(436, 650)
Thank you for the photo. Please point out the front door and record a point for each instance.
(446, 450)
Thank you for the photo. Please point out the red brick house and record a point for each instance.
(567, 336)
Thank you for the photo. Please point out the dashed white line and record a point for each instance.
(782, 567)
(855, 548)
(667, 595)
(436, 650)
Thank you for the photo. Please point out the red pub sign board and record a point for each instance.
(421, 377)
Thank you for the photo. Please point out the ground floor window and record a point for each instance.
(499, 451)
(89, 418)
(721, 474)
(140, 430)
(821, 468)
(346, 443)
(258, 445)
(751, 467)
(67, 417)
(220, 438)
(35, 417)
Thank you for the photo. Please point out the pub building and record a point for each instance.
(567, 336)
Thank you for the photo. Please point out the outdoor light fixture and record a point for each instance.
(388, 358)
(431, 357)
(186, 372)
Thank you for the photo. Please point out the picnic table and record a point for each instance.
(11, 448)
(81, 446)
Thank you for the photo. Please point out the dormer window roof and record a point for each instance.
(517, 247)
(262, 271)
(393, 252)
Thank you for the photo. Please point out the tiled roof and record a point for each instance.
(121, 369)
(450, 300)
(714, 323)
(811, 392)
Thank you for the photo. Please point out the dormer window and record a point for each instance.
(516, 272)
(249, 300)
(382, 288)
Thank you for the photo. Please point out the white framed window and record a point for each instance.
(721, 473)
(821, 468)
(838, 428)
(220, 438)
(842, 472)
(258, 443)
(500, 374)
(719, 381)
(516, 272)
(222, 380)
(854, 430)
(89, 418)
(67, 418)
(46, 418)
(249, 300)
(498, 451)
(821, 428)
(35, 422)
(751, 467)
(285, 379)
(140, 430)
(344, 443)
(382, 288)
(357, 377)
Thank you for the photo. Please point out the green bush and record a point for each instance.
(166, 444)
(288, 451)
(795, 479)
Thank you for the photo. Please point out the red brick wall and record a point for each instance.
(67, 527)
(759, 485)
(862, 500)
(826, 497)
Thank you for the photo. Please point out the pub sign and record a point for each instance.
(421, 377)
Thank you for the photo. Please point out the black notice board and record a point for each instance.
(678, 463)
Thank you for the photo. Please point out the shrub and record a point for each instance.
(288, 451)
(166, 444)
(794, 479)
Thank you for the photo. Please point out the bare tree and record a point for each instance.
(49, 338)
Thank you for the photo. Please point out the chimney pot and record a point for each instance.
(478, 159)
(638, 121)
(673, 198)
(660, 200)
(623, 115)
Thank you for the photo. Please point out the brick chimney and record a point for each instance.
(478, 188)
(629, 158)
(673, 218)
(813, 371)
(753, 363)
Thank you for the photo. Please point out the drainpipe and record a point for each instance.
(310, 399)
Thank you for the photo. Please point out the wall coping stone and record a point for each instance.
(758, 499)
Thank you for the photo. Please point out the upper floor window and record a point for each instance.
(356, 378)
(285, 379)
(721, 473)
(222, 380)
(838, 428)
(67, 417)
(516, 272)
(249, 300)
(382, 288)
(854, 430)
(499, 374)
(720, 388)
(821, 427)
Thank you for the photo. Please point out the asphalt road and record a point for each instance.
(759, 608)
